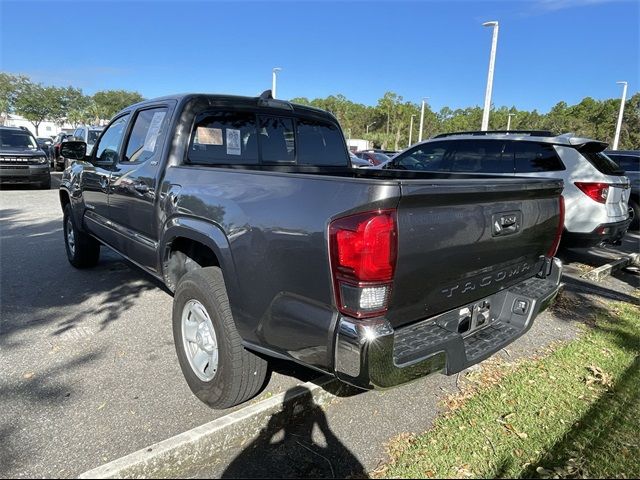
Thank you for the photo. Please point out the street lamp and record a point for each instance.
(273, 81)
(619, 125)
(492, 63)
(424, 101)
(509, 121)
(411, 129)
(372, 123)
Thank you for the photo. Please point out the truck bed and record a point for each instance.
(276, 220)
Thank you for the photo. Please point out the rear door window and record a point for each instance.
(320, 144)
(224, 138)
(479, 156)
(146, 135)
(536, 157)
(277, 142)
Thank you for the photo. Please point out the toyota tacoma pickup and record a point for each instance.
(248, 210)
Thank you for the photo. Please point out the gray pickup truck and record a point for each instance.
(248, 210)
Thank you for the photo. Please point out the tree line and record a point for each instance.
(37, 102)
(386, 124)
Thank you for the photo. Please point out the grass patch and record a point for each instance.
(573, 413)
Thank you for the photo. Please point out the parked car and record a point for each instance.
(87, 134)
(373, 157)
(357, 162)
(45, 144)
(596, 192)
(58, 160)
(376, 276)
(629, 161)
(21, 160)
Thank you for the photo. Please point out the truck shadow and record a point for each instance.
(40, 289)
(296, 443)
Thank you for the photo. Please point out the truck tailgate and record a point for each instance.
(459, 242)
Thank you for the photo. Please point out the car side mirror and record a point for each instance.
(73, 150)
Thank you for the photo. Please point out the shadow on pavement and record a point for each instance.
(296, 443)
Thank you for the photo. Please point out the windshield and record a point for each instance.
(381, 157)
(93, 136)
(15, 139)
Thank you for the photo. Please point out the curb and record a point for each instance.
(600, 273)
(203, 442)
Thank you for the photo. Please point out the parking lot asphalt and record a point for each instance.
(88, 371)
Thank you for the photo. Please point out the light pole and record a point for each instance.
(424, 101)
(619, 125)
(273, 81)
(372, 123)
(410, 129)
(509, 121)
(492, 63)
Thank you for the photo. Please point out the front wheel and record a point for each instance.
(83, 251)
(217, 368)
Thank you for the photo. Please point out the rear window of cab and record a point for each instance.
(225, 138)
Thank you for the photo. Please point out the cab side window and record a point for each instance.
(107, 150)
(146, 135)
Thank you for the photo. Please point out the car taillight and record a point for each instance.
(596, 191)
(556, 240)
(363, 260)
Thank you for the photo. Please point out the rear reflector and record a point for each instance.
(594, 190)
(558, 236)
(363, 259)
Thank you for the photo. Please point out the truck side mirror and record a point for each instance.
(73, 150)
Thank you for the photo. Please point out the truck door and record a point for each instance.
(96, 177)
(134, 186)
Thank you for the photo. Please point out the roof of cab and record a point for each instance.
(265, 101)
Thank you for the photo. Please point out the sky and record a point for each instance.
(548, 50)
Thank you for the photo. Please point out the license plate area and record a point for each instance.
(468, 319)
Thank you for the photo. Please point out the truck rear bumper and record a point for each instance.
(371, 354)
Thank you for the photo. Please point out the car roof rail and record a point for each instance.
(532, 133)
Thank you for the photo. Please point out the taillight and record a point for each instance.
(363, 261)
(596, 191)
(556, 240)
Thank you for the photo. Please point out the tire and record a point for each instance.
(46, 185)
(635, 223)
(85, 251)
(238, 374)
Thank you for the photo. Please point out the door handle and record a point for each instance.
(141, 187)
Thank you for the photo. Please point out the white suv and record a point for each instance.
(88, 135)
(596, 193)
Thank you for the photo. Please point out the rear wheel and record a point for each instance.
(217, 368)
(83, 251)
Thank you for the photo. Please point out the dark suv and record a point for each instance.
(21, 160)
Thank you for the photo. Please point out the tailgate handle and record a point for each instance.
(506, 223)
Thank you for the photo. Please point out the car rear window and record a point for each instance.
(320, 144)
(93, 136)
(237, 138)
(628, 163)
(224, 138)
(536, 157)
(603, 163)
